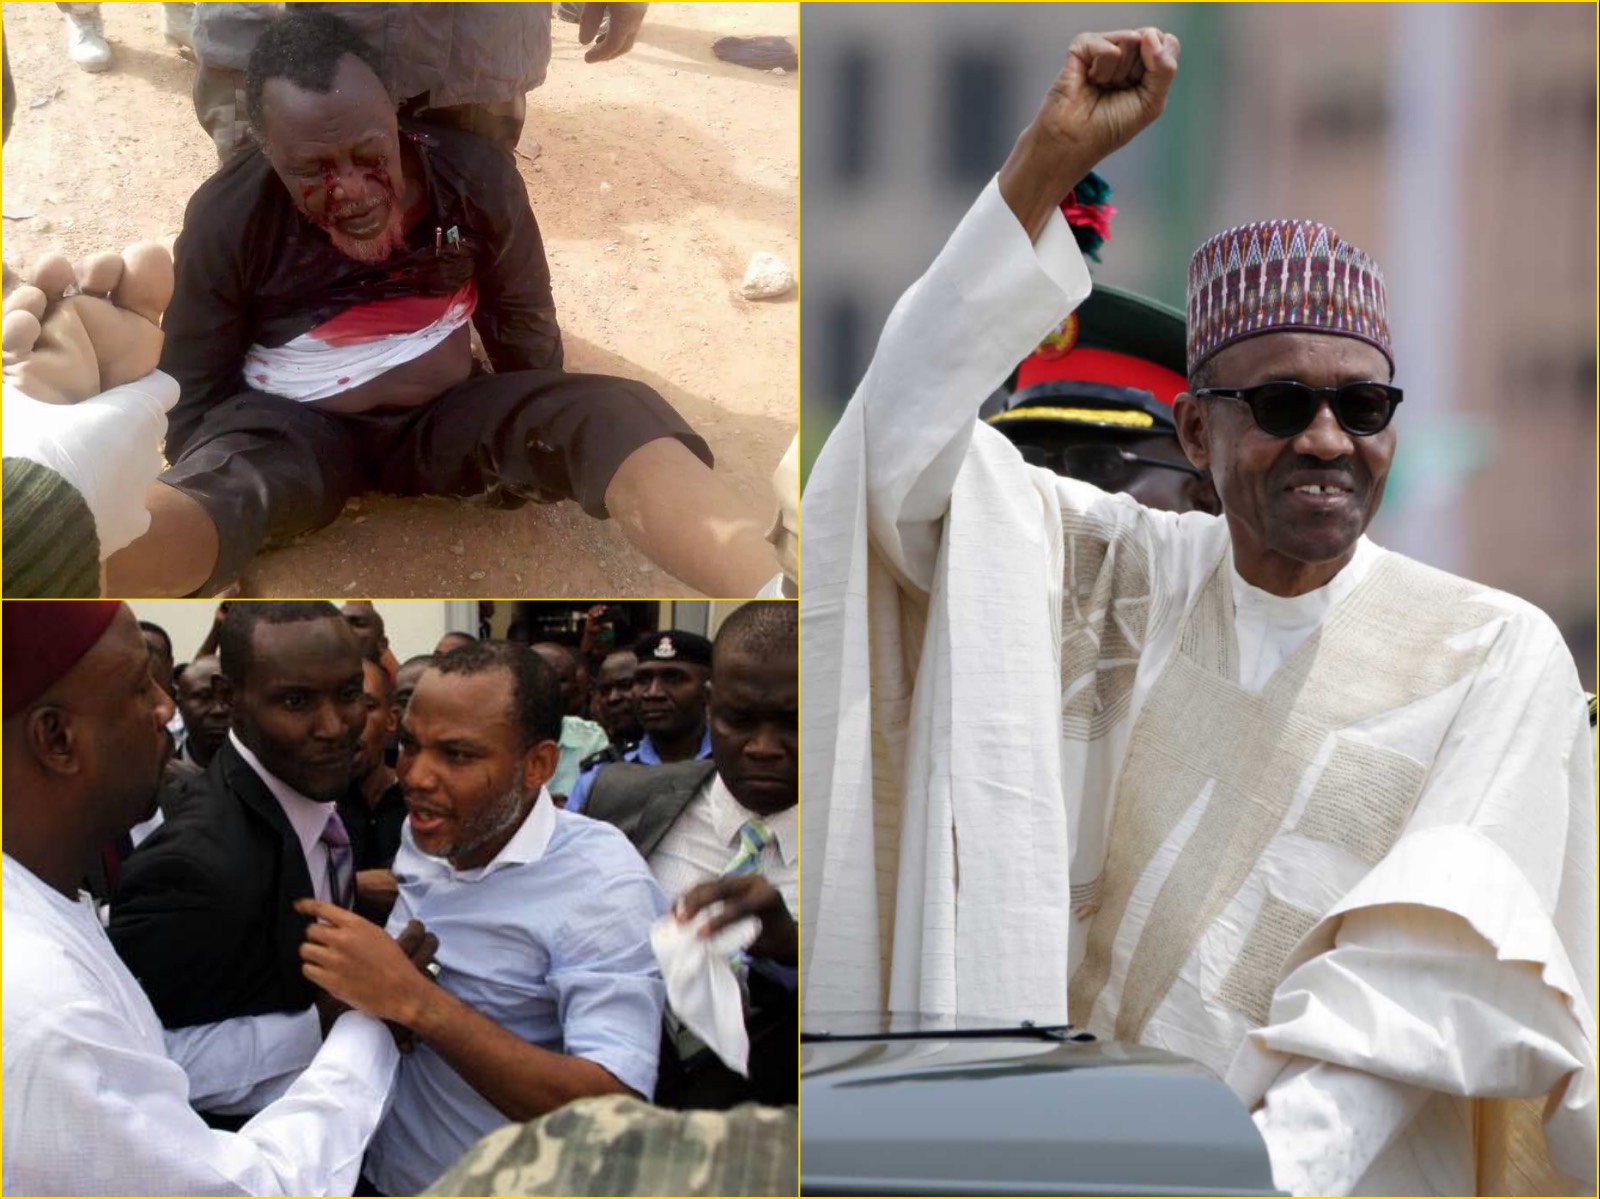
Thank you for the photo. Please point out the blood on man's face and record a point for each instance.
(338, 153)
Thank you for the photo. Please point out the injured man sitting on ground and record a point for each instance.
(319, 332)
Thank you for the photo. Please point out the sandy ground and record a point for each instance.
(656, 177)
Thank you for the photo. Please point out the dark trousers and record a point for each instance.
(266, 469)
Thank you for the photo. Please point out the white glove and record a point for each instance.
(108, 447)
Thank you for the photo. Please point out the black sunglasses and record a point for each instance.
(1108, 467)
(1286, 409)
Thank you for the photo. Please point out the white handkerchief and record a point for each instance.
(702, 990)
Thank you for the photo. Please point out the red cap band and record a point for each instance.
(1085, 365)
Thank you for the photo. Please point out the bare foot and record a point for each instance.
(125, 325)
(106, 335)
(58, 367)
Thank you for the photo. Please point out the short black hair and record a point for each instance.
(150, 626)
(239, 629)
(535, 690)
(415, 658)
(305, 48)
(763, 628)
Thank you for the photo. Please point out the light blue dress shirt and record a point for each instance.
(644, 753)
(551, 940)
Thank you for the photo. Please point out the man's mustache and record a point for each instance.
(1350, 466)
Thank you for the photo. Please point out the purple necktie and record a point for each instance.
(341, 863)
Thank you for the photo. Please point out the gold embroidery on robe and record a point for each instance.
(1200, 733)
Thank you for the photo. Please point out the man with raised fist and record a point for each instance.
(1248, 788)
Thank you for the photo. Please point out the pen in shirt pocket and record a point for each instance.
(442, 237)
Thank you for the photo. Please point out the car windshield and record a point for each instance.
(895, 1026)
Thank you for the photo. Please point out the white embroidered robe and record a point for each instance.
(1058, 757)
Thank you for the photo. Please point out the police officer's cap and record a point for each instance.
(673, 645)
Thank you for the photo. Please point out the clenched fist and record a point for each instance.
(1111, 87)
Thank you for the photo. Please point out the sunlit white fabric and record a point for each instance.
(1401, 925)
(95, 1105)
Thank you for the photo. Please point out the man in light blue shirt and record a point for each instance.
(670, 687)
(547, 988)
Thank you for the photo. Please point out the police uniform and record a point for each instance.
(671, 645)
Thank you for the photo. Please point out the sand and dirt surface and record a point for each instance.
(654, 178)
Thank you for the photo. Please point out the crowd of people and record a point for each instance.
(295, 917)
(359, 300)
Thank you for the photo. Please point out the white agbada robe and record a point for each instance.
(95, 1106)
(1339, 848)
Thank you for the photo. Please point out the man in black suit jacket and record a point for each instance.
(689, 821)
(203, 911)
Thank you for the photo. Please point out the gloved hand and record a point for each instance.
(108, 447)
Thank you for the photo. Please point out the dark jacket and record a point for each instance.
(645, 801)
(374, 831)
(203, 912)
(252, 271)
(450, 53)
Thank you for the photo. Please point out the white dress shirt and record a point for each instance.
(97, 1107)
(703, 840)
(308, 818)
(550, 940)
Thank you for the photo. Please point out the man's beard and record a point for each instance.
(371, 249)
(488, 824)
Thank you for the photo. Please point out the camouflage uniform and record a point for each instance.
(617, 1145)
(468, 68)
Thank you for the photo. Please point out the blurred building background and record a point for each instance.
(415, 626)
(1455, 143)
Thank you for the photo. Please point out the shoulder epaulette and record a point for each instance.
(608, 754)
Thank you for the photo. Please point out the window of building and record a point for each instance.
(976, 114)
(852, 114)
(1346, 113)
(840, 344)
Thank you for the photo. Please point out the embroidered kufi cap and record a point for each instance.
(1271, 276)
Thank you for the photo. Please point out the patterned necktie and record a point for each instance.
(341, 863)
(754, 836)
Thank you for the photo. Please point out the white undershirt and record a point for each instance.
(703, 840)
(1270, 627)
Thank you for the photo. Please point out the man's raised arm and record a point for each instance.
(1009, 273)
